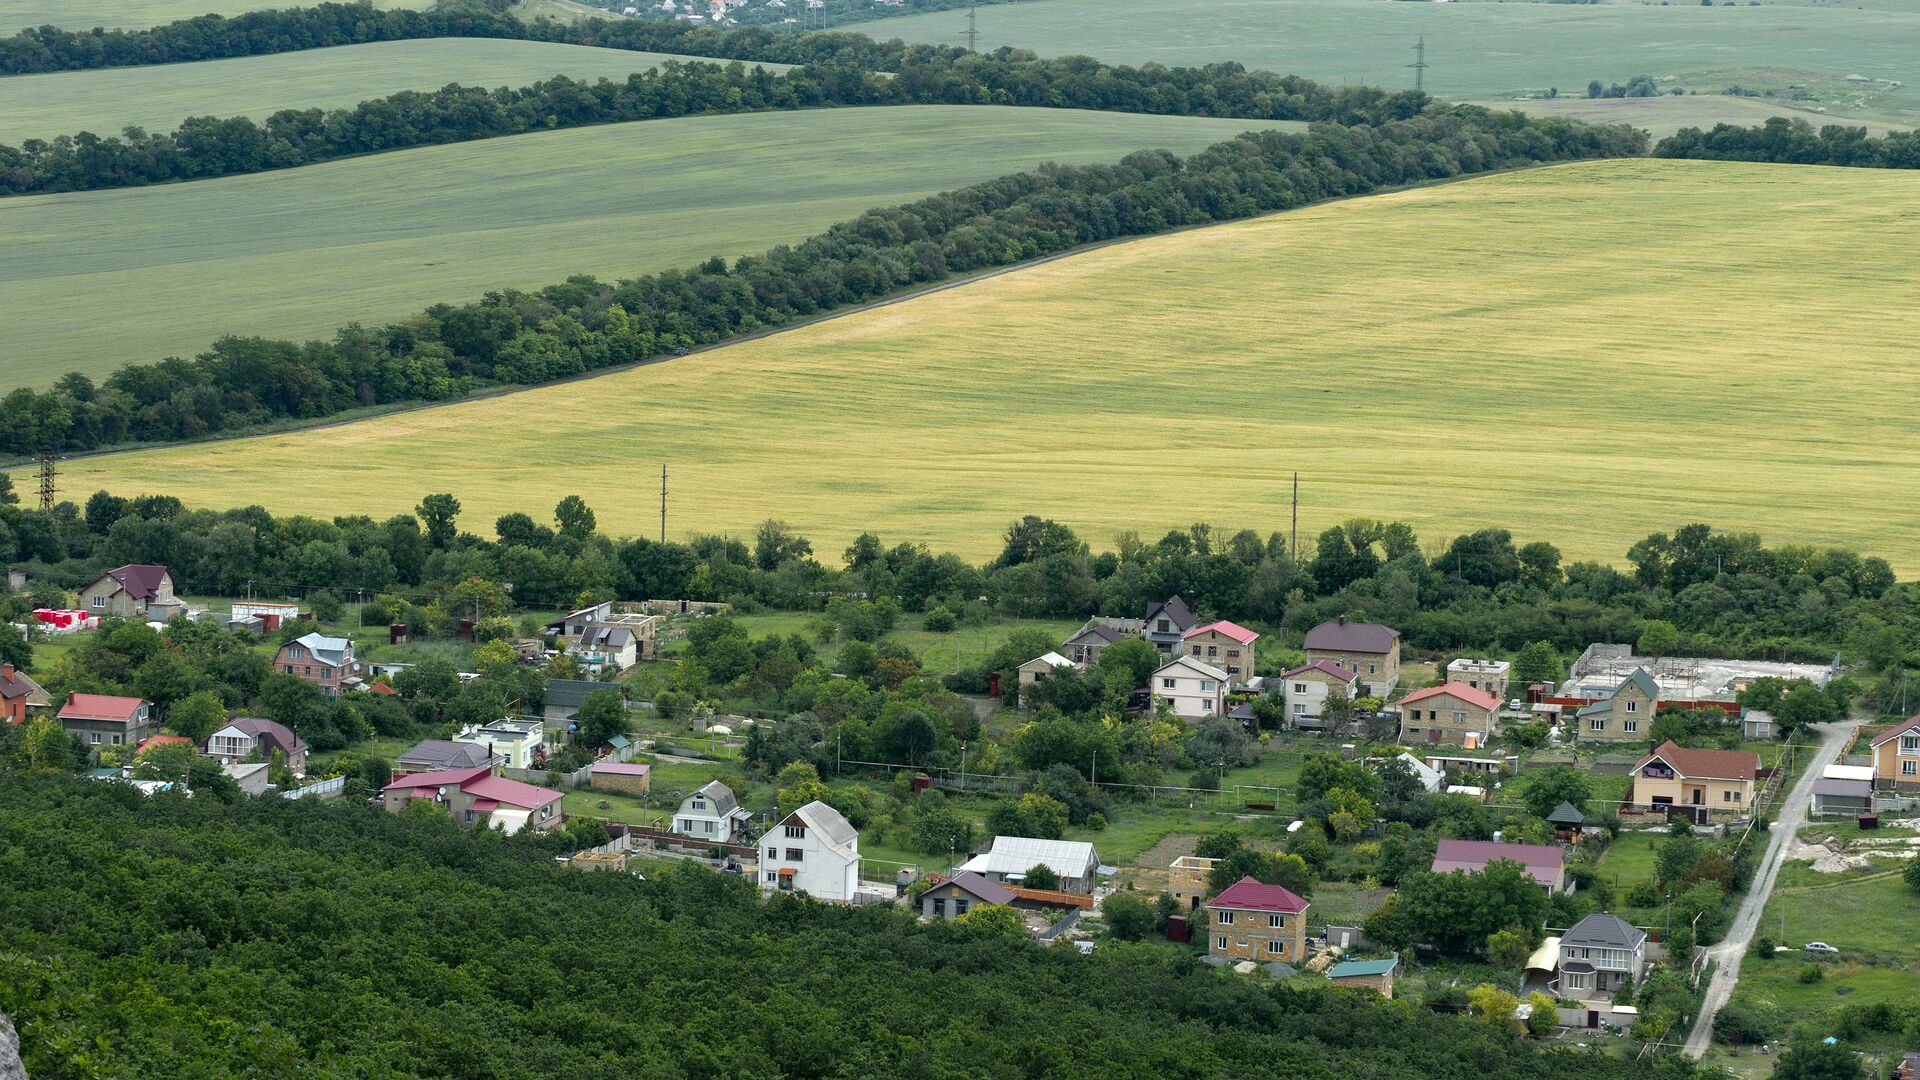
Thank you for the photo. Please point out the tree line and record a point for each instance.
(584, 325)
(1795, 142)
(207, 146)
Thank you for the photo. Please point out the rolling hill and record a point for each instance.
(16, 15)
(159, 97)
(1479, 50)
(96, 280)
(1586, 353)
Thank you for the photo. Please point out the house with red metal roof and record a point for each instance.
(1225, 645)
(105, 720)
(1453, 713)
(476, 797)
(134, 591)
(1544, 863)
(1251, 920)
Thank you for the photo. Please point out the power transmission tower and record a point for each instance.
(663, 502)
(1419, 64)
(47, 474)
(972, 35)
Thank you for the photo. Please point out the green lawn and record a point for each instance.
(1485, 50)
(16, 15)
(940, 653)
(159, 97)
(1629, 859)
(97, 280)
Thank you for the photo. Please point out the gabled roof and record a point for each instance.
(1225, 629)
(1324, 667)
(1709, 764)
(446, 754)
(621, 768)
(256, 726)
(722, 797)
(1601, 930)
(511, 792)
(831, 827)
(1105, 635)
(607, 637)
(1200, 666)
(438, 778)
(1343, 636)
(1911, 727)
(1176, 611)
(1019, 854)
(17, 684)
(569, 693)
(1644, 681)
(327, 650)
(161, 740)
(1051, 659)
(1468, 694)
(100, 707)
(984, 889)
(139, 580)
(1545, 863)
(1249, 894)
(1348, 969)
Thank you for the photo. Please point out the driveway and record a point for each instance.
(1790, 816)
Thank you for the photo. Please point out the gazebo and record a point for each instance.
(1566, 820)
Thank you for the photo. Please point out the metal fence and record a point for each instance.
(325, 789)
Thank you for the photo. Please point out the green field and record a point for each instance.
(97, 280)
(159, 97)
(1662, 116)
(1587, 353)
(16, 15)
(1479, 50)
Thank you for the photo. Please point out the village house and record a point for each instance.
(1039, 669)
(19, 693)
(1193, 689)
(1085, 647)
(1369, 650)
(477, 798)
(1305, 690)
(253, 735)
(1189, 879)
(1454, 714)
(1756, 725)
(1896, 757)
(1167, 623)
(443, 755)
(626, 777)
(1253, 921)
(134, 591)
(1224, 645)
(510, 742)
(1625, 715)
(105, 720)
(324, 661)
(1074, 862)
(560, 705)
(712, 813)
(1705, 780)
(814, 851)
(950, 899)
(1599, 956)
(1374, 975)
(1488, 675)
(1544, 863)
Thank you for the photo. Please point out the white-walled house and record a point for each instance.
(1193, 689)
(1305, 690)
(814, 851)
(711, 813)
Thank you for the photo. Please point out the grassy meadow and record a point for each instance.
(17, 15)
(1662, 116)
(159, 97)
(96, 280)
(1477, 50)
(1586, 353)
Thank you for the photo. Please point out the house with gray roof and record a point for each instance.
(1601, 955)
(952, 898)
(1167, 623)
(1369, 650)
(1626, 715)
(444, 755)
(711, 813)
(563, 698)
(1084, 648)
(1073, 861)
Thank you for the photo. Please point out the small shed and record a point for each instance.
(1566, 820)
(1375, 975)
(1831, 796)
(1756, 724)
(623, 776)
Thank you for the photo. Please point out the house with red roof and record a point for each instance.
(1304, 692)
(1544, 863)
(1453, 714)
(133, 591)
(19, 693)
(105, 720)
(1707, 780)
(1225, 645)
(1896, 757)
(254, 735)
(477, 798)
(1251, 920)
(152, 741)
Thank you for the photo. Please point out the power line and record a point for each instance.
(972, 34)
(1419, 64)
(47, 477)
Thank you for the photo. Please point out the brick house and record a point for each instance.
(1896, 757)
(1252, 921)
(251, 735)
(1225, 645)
(1626, 715)
(103, 720)
(325, 661)
(19, 693)
(1706, 780)
(133, 591)
(1369, 650)
(477, 798)
(1455, 714)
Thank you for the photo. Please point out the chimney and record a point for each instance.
(6, 671)
(1343, 620)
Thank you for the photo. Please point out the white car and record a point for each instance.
(1821, 948)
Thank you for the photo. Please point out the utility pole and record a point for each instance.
(1419, 64)
(972, 35)
(1296, 519)
(663, 502)
(47, 476)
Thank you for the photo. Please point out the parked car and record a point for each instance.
(1821, 948)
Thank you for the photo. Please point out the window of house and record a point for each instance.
(707, 827)
(1726, 796)
(1163, 627)
(1274, 946)
(1196, 650)
(1910, 768)
(1224, 918)
(295, 652)
(469, 817)
(786, 883)
(1213, 650)
(1220, 943)
(1910, 744)
(99, 602)
(1166, 684)
(546, 812)
(795, 854)
(1206, 686)
(1206, 705)
(1629, 725)
(1231, 670)
(1633, 706)
(796, 832)
(769, 876)
(939, 908)
(1576, 982)
(326, 673)
(1299, 688)
(1459, 718)
(1277, 922)
(1596, 724)
(287, 668)
(1300, 708)
(772, 854)
(959, 906)
(1369, 669)
(1736, 796)
(1233, 654)
(93, 737)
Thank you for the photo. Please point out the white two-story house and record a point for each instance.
(711, 813)
(814, 851)
(1192, 688)
(1599, 956)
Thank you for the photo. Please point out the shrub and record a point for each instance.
(939, 620)
(1811, 974)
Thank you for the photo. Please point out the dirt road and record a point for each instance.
(1788, 820)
